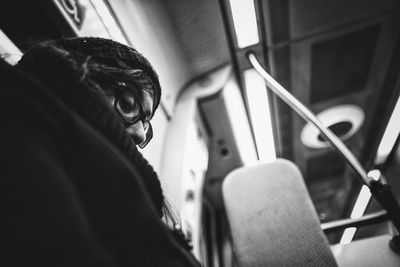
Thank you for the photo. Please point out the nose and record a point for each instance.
(136, 131)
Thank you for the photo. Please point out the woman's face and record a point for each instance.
(135, 108)
(137, 130)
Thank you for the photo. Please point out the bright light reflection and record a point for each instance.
(390, 135)
(260, 115)
(359, 208)
(348, 235)
(109, 21)
(361, 203)
(245, 22)
(240, 124)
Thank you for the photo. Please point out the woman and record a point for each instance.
(79, 192)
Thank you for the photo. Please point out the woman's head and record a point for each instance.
(118, 76)
(123, 76)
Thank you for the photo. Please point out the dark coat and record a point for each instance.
(71, 197)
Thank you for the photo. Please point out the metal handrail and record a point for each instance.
(372, 218)
(307, 115)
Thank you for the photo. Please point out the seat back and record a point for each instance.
(272, 219)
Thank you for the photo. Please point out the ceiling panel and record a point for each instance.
(199, 27)
(341, 65)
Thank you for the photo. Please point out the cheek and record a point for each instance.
(136, 131)
(147, 102)
(133, 129)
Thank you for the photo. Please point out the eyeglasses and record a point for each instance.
(130, 111)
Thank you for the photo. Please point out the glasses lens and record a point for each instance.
(149, 133)
(127, 106)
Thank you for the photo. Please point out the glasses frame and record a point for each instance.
(122, 87)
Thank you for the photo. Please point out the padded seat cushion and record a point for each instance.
(272, 219)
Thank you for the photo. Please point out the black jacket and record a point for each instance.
(71, 195)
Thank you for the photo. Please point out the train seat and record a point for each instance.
(272, 219)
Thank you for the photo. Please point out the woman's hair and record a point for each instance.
(107, 60)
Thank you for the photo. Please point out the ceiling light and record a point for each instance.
(362, 202)
(389, 137)
(240, 123)
(108, 21)
(348, 235)
(257, 97)
(8, 50)
(359, 208)
(245, 22)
